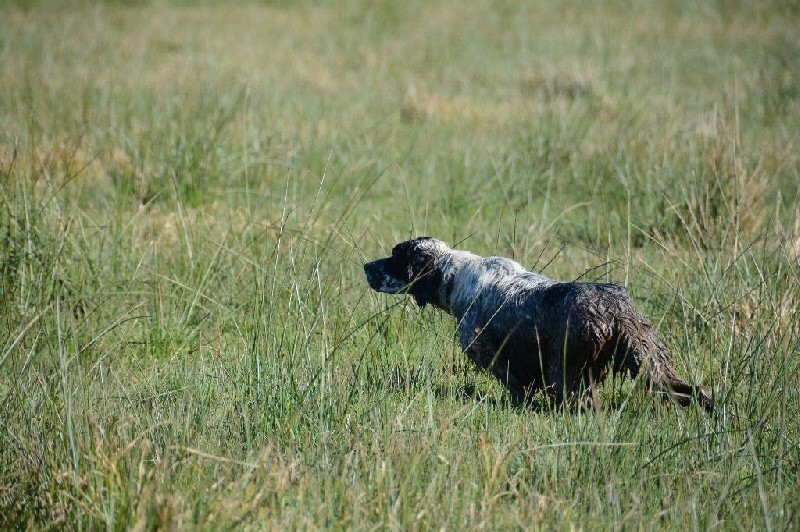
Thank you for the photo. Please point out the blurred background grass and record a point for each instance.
(188, 191)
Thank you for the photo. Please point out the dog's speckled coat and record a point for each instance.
(532, 332)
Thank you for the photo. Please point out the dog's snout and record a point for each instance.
(370, 268)
(380, 277)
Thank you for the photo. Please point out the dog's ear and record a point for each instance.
(422, 290)
(424, 277)
(425, 287)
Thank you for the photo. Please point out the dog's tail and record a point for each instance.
(644, 351)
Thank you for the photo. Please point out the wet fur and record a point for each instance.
(533, 333)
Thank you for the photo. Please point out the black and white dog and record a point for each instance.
(531, 332)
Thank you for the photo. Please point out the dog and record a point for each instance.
(531, 332)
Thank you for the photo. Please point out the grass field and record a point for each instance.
(188, 193)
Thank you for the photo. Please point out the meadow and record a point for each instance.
(189, 190)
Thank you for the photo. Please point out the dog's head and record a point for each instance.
(413, 268)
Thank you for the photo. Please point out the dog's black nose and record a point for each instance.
(374, 267)
(370, 270)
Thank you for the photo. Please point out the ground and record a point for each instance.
(188, 192)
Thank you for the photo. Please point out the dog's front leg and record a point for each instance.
(483, 349)
(517, 390)
(501, 370)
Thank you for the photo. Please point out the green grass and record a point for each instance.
(188, 192)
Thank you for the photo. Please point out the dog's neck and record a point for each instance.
(467, 276)
(460, 279)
